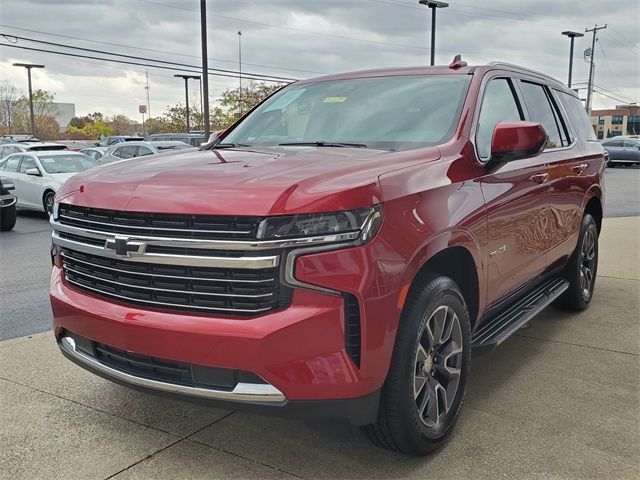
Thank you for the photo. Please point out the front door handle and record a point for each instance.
(539, 177)
(579, 169)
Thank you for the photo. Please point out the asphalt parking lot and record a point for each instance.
(560, 399)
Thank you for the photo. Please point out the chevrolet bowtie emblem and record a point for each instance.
(124, 247)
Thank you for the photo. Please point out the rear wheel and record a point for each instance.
(7, 218)
(47, 201)
(422, 395)
(582, 268)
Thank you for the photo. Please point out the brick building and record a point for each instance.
(622, 120)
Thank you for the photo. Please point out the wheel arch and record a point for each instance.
(458, 262)
(593, 206)
(47, 189)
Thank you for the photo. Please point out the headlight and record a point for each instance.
(362, 223)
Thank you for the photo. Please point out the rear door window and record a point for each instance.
(11, 165)
(142, 151)
(541, 111)
(498, 104)
(613, 143)
(129, 151)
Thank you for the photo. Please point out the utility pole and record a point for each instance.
(147, 88)
(240, 71)
(186, 93)
(433, 4)
(205, 68)
(572, 36)
(29, 66)
(591, 65)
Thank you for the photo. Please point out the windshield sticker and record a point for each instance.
(285, 99)
(335, 100)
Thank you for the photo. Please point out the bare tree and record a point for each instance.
(8, 107)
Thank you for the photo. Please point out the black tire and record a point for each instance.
(578, 296)
(7, 218)
(47, 201)
(401, 425)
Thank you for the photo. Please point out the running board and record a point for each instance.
(497, 329)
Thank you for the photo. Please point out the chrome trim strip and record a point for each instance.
(183, 307)
(252, 263)
(118, 225)
(210, 244)
(185, 292)
(242, 392)
(178, 277)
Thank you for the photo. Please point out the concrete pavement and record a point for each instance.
(560, 399)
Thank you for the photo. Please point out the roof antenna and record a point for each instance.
(457, 62)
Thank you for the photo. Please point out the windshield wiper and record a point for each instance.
(323, 144)
(230, 145)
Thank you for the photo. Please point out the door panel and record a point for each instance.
(30, 185)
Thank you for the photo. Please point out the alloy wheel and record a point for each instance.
(587, 263)
(437, 366)
(48, 202)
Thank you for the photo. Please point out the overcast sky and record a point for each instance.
(305, 38)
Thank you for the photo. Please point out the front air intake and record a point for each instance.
(352, 328)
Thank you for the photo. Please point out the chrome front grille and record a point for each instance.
(160, 224)
(180, 272)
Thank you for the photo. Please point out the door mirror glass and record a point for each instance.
(33, 171)
(516, 140)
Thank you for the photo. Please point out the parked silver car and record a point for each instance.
(95, 152)
(140, 149)
(9, 148)
(622, 150)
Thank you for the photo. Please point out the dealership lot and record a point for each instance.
(559, 399)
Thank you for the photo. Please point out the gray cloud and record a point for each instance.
(307, 36)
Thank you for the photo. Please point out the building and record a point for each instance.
(622, 120)
(64, 113)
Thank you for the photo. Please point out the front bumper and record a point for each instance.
(7, 200)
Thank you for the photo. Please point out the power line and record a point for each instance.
(134, 57)
(126, 62)
(155, 50)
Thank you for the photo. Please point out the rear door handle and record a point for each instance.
(539, 177)
(579, 169)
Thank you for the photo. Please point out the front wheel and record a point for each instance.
(582, 268)
(422, 395)
(7, 218)
(47, 201)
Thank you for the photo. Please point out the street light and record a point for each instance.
(572, 36)
(186, 92)
(29, 66)
(240, 71)
(433, 4)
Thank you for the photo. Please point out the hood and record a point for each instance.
(61, 177)
(241, 182)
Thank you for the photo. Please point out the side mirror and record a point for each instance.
(33, 171)
(516, 140)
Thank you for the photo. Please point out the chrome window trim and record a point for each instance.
(243, 392)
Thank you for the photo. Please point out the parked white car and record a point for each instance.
(125, 150)
(37, 176)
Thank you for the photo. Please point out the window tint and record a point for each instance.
(27, 163)
(540, 111)
(129, 151)
(498, 105)
(630, 142)
(613, 143)
(11, 165)
(142, 151)
(578, 117)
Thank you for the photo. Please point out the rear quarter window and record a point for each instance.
(577, 116)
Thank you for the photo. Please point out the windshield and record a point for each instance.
(399, 112)
(67, 163)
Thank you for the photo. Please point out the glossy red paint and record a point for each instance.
(515, 140)
(434, 199)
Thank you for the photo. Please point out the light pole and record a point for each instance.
(186, 92)
(240, 71)
(433, 4)
(205, 68)
(572, 36)
(29, 66)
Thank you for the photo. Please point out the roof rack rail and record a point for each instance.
(520, 67)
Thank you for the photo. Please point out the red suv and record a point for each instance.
(340, 250)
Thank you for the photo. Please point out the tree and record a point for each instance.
(8, 98)
(123, 125)
(228, 108)
(44, 113)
